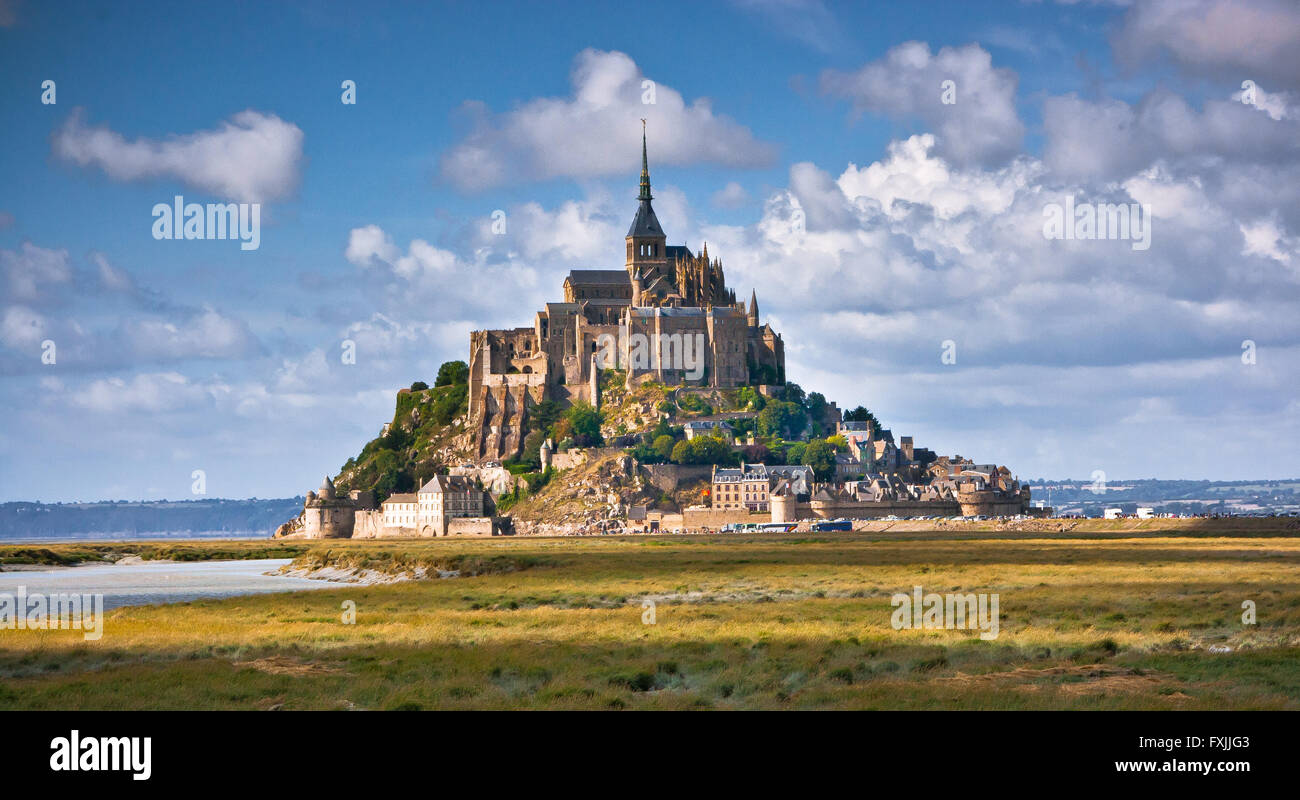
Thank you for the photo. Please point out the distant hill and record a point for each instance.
(131, 518)
(1172, 496)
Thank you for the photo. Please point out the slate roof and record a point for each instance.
(604, 277)
(446, 483)
(645, 223)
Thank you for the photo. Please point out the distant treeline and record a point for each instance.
(140, 518)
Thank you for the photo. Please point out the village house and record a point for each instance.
(717, 428)
(749, 486)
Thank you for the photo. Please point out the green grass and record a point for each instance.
(1089, 621)
(216, 550)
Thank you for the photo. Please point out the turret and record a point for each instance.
(638, 283)
(753, 308)
(544, 454)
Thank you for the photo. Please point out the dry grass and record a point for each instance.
(741, 622)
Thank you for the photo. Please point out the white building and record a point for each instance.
(399, 511)
(429, 510)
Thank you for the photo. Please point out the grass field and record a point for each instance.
(1088, 621)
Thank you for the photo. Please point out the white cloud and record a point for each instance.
(203, 334)
(733, 195)
(253, 157)
(31, 270)
(1223, 38)
(22, 328)
(1266, 238)
(152, 392)
(981, 126)
(1278, 105)
(1110, 139)
(596, 131)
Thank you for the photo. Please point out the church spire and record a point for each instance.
(645, 168)
(753, 308)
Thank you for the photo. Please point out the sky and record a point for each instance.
(895, 226)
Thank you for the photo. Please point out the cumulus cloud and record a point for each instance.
(981, 125)
(960, 254)
(596, 130)
(897, 256)
(1222, 38)
(252, 157)
(1109, 138)
(515, 260)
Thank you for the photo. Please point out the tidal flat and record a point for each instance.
(1088, 620)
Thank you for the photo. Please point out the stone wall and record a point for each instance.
(471, 526)
(368, 524)
(868, 509)
(667, 477)
(574, 457)
(708, 517)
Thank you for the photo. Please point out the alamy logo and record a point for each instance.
(682, 352)
(946, 612)
(182, 220)
(1121, 221)
(39, 612)
(76, 753)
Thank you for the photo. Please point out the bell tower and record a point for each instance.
(647, 254)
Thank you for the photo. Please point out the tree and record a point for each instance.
(794, 453)
(712, 450)
(663, 446)
(820, 455)
(793, 393)
(704, 450)
(545, 414)
(747, 397)
(816, 405)
(757, 454)
(781, 418)
(419, 386)
(452, 372)
(532, 454)
(839, 442)
(584, 425)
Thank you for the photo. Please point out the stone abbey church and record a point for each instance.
(668, 313)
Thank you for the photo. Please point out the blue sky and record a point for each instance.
(922, 219)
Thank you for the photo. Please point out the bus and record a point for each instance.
(776, 527)
(833, 525)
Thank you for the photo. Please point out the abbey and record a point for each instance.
(669, 312)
